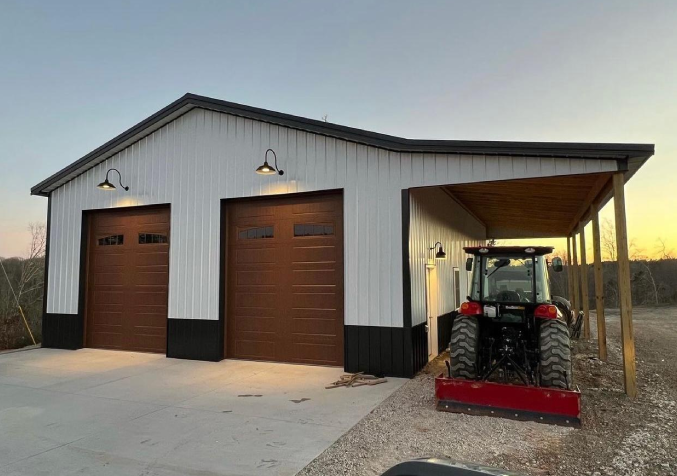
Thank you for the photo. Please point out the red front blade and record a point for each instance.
(547, 405)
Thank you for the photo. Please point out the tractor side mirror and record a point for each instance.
(468, 264)
(557, 265)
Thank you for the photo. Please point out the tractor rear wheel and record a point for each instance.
(464, 346)
(555, 355)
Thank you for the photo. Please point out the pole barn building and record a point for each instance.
(165, 239)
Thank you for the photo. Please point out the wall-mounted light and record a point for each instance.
(441, 255)
(106, 185)
(266, 168)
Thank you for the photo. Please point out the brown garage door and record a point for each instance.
(127, 279)
(285, 279)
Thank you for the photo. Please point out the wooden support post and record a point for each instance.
(570, 270)
(599, 283)
(585, 303)
(575, 301)
(625, 297)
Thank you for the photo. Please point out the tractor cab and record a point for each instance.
(510, 282)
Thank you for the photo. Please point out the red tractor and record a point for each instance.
(510, 351)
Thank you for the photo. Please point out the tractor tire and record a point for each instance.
(555, 367)
(464, 347)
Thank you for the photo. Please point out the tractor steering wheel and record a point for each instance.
(508, 296)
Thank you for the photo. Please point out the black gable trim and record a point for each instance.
(384, 141)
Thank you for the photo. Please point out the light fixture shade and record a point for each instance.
(106, 185)
(266, 169)
(441, 254)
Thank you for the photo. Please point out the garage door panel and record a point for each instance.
(312, 276)
(150, 297)
(256, 256)
(313, 313)
(108, 279)
(255, 349)
(313, 254)
(128, 279)
(256, 278)
(293, 281)
(249, 323)
(314, 206)
(151, 277)
(255, 300)
(102, 260)
(314, 326)
(158, 260)
(314, 353)
(108, 297)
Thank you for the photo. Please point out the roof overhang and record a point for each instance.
(632, 153)
(542, 207)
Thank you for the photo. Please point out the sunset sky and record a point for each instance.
(75, 74)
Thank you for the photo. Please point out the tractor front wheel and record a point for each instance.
(555, 355)
(463, 347)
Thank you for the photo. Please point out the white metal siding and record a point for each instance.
(204, 156)
(435, 216)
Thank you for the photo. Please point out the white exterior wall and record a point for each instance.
(435, 216)
(204, 156)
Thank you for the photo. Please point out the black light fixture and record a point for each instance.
(266, 168)
(441, 255)
(106, 185)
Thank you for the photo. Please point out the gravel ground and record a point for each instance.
(619, 437)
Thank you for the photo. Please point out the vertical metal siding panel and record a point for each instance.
(372, 242)
(492, 165)
(395, 221)
(466, 168)
(383, 237)
(362, 233)
(351, 224)
(548, 166)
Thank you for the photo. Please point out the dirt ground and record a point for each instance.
(618, 436)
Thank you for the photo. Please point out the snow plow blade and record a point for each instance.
(517, 402)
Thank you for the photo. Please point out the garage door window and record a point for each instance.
(310, 229)
(256, 233)
(152, 238)
(111, 240)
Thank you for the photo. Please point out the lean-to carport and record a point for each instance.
(561, 206)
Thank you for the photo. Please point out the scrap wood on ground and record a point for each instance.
(356, 380)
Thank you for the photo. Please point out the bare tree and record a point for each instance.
(662, 249)
(608, 240)
(21, 285)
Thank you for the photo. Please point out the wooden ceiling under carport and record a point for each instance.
(534, 207)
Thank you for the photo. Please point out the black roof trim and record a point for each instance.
(397, 144)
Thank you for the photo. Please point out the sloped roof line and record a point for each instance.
(384, 141)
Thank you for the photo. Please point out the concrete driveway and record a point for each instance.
(99, 412)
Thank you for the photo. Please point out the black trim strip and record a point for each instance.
(62, 331)
(406, 267)
(389, 351)
(47, 243)
(194, 339)
(397, 144)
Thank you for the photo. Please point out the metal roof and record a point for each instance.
(384, 141)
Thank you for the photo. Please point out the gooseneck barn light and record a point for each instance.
(266, 168)
(106, 185)
(441, 255)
